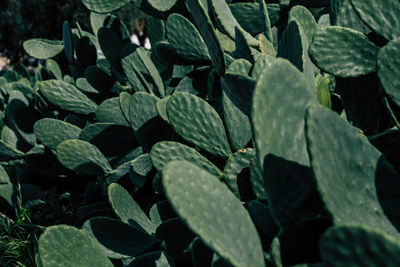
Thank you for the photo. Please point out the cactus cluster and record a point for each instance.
(252, 133)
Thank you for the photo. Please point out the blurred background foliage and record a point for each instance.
(23, 20)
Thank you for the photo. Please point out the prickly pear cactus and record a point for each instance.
(251, 133)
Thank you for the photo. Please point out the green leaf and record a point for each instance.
(140, 169)
(67, 96)
(68, 42)
(111, 44)
(265, 21)
(53, 67)
(186, 40)
(117, 239)
(52, 132)
(61, 246)
(110, 111)
(82, 157)
(240, 66)
(341, 13)
(197, 122)
(111, 139)
(279, 129)
(9, 137)
(162, 108)
(293, 46)
(206, 28)
(306, 20)
(228, 21)
(323, 93)
(381, 16)
(151, 68)
(388, 69)
(353, 245)
(97, 21)
(124, 103)
(8, 152)
(261, 63)
(327, 52)
(155, 258)
(237, 122)
(128, 210)
(345, 165)
(142, 109)
(43, 48)
(104, 6)
(234, 166)
(166, 151)
(209, 209)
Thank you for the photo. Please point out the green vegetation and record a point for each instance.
(252, 133)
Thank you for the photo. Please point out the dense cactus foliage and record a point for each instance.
(252, 133)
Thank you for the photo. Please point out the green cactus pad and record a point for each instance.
(176, 238)
(237, 123)
(9, 137)
(111, 139)
(261, 63)
(110, 111)
(124, 103)
(353, 245)
(234, 166)
(117, 239)
(155, 30)
(82, 157)
(66, 246)
(239, 89)
(242, 47)
(162, 108)
(206, 28)
(326, 51)
(53, 67)
(7, 152)
(152, 70)
(197, 122)
(155, 259)
(67, 96)
(257, 179)
(162, 5)
(43, 48)
(128, 210)
(293, 46)
(111, 44)
(142, 109)
(381, 16)
(345, 165)
(140, 169)
(248, 16)
(68, 42)
(166, 151)
(323, 93)
(279, 129)
(240, 66)
(341, 13)
(388, 69)
(186, 40)
(228, 21)
(128, 60)
(52, 132)
(104, 6)
(266, 22)
(190, 188)
(97, 21)
(306, 20)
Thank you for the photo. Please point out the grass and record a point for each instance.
(18, 246)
